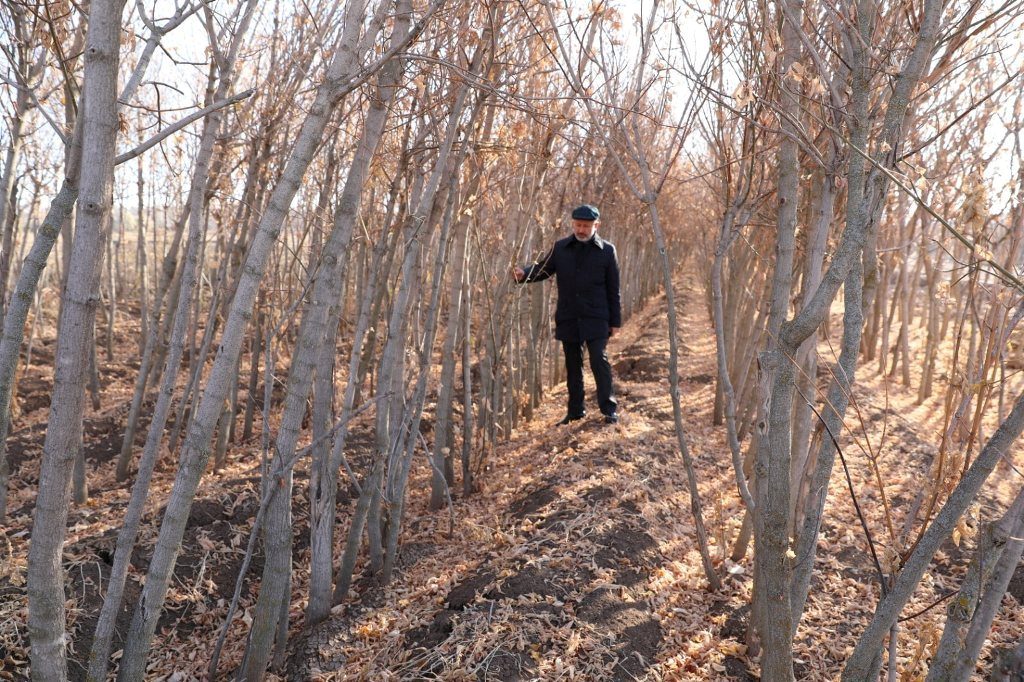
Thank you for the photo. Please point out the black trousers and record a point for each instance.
(599, 365)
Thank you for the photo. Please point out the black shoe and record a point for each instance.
(611, 418)
(571, 418)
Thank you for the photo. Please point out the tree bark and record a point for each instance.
(807, 356)
(863, 211)
(467, 385)
(46, 619)
(677, 409)
(991, 600)
(324, 481)
(724, 380)
(953, 659)
(168, 283)
(443, 431)
(322, 544)
(772, 568)
(17, 312)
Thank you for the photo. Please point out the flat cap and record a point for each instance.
(585, 212)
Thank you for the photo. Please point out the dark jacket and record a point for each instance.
(588, 287)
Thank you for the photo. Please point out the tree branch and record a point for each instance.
(171, 129)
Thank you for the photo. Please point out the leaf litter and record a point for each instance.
(575, 561)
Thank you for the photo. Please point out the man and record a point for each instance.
(587, 271)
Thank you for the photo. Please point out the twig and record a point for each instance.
(853, 496)
(345, 87)
(927, 608)
(57, 128)
(171, 129)
(1009, 463)
(916, 197)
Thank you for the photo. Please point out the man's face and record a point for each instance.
(584, 229)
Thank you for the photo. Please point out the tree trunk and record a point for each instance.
(17, 313)
(152, 320)
(1009, 665)
(322, 543)
(324, 480)
(112, 298)
(467, 385)
(142, 283)
(677, 409)
(414, 411)
(256, 350)
(863, 662)
(772, 568)
(46, 618)
(25, 293)
(423, 213)
(724, 380)
(952, 660)
(863, 212)
(443, 431)
(8, 181)
(807, 356)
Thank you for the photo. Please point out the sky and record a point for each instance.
(180, 84)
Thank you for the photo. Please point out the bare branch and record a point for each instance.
(171, 129)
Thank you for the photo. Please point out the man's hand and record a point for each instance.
(518, 274)
(612, 331)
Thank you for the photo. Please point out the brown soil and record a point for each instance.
(577, 559)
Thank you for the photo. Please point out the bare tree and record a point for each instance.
(64, 432)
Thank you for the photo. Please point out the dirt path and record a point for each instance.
(568, 566)
(579, 560)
